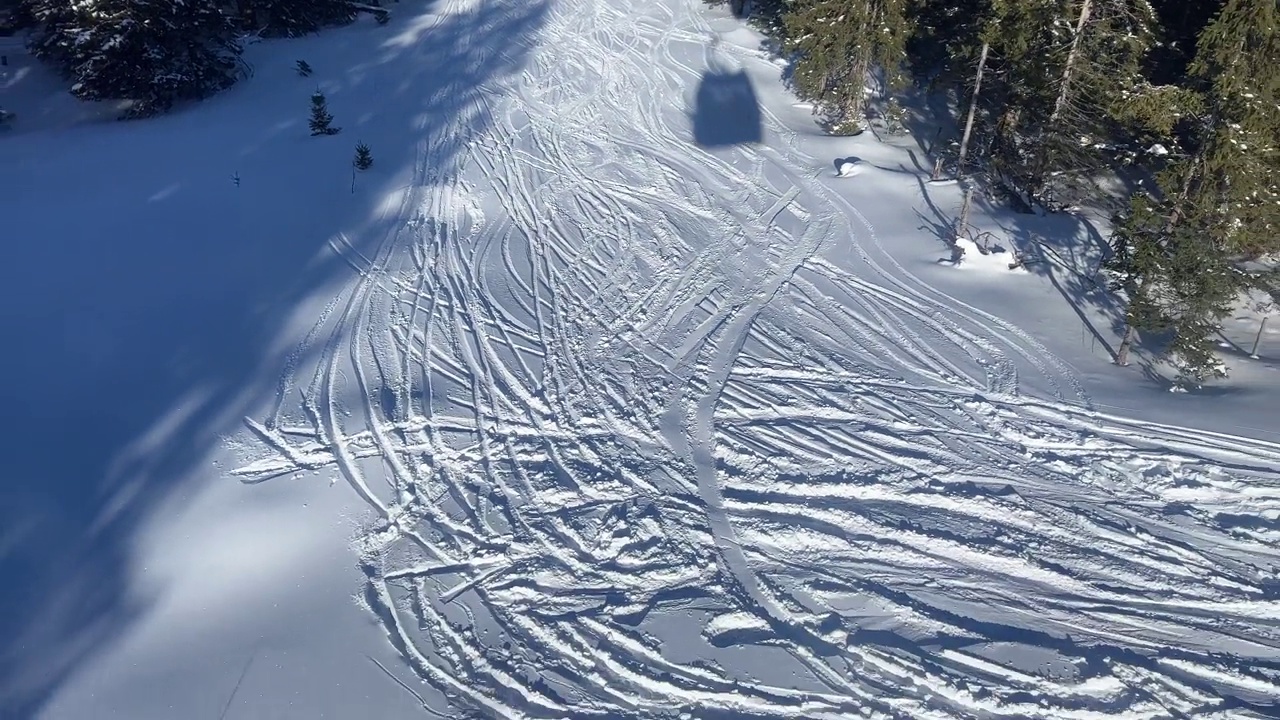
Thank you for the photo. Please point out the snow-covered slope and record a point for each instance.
(633, 426)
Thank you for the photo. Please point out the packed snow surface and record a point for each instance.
(646, 430)
(604, 378)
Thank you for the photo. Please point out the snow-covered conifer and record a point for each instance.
(321, 121)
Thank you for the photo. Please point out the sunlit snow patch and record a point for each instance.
(993, 259)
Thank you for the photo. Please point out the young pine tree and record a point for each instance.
(363, 159)
(1176, 283)
(321, 121)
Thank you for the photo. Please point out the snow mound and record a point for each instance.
(736, 628)
(993, 260)
(849, 168)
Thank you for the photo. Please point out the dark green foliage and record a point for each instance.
(321, 121)
(1049, 113)
(767, 16)
(152, 53)
(1155, 112)
(1238, 62)
(291, 18)
(157, 53)
(838, 45)
(1050, 74)
(1176, 283)
(304, 68)
(943, 45)
(16, 15)
(364, 157)
(1189, 91)
(1179, 253)
(1179, 23)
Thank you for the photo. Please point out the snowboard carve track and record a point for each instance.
(595, 379)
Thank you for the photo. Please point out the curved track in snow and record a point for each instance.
(650, 430)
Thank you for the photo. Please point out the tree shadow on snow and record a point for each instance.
(930, 120)
(1069, 251)
(151, 271)
(1244, 350)
(1065, 248)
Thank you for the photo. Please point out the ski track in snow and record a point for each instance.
(601, 376)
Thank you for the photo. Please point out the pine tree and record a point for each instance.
(840, 43)
(1176, 283)
(988, 51)
(364, 158)
(1048, 72)
(293, 18)
(152, 53)
(1102, 60)
(321, 120)
(1238, 61)
(1029, 39)
(945, 40)
(1174, 280)
(304, 68)
(1179, 251)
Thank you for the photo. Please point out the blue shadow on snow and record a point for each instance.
(145, 294)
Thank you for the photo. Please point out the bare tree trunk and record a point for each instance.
(973, 109)
(1126, 342)
(962, 225)
(1258, 338)
(1086, 6)
(855, 105)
